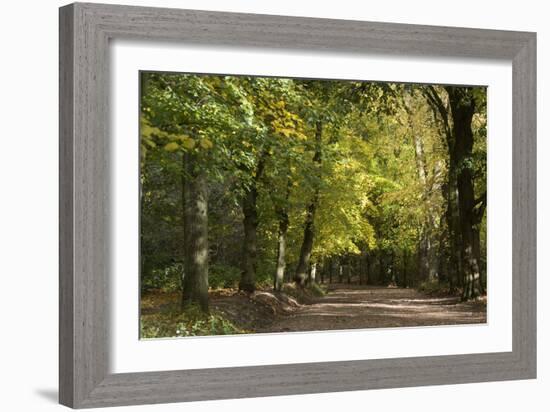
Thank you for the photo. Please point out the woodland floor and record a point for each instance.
(343, 307)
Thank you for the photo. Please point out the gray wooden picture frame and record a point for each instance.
(85, 31)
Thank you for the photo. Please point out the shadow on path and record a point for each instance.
(357, 307)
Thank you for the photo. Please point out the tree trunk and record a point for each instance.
(427, 259)
(309, 227)
(424, 246)
(477, 253)
(453, 226)
(450, 191)
(405, 264)
(307, 245)
(472, 276)
(392, 278)
(381, 269)
(250, 225)
(367, 269)
(463, 107)
(282, 213)
(195, 217)
(281, 250)
(444, 256)
(312, 273)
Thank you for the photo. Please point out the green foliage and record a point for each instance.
(223, 276)
(190, 322)
(167, 279)
(378, 193)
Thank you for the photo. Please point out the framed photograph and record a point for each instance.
(256, 205)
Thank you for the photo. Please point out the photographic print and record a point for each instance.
(271, 204)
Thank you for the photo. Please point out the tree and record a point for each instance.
(248, 181)
(309, 223)
(464, 211)
(427, 261)
(190, 115)
(329, 109)
(273, 102)
(281, 210)
(463, 107)
(195, 197)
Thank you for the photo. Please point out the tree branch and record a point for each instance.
(435, 101)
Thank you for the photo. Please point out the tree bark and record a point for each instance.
(312, 273)
(453, 227)
(427, 260)
(195, 210)
(405, 264)
(450, 191)
(250, 226)
(463, 107)
(309, 225)
(392, 277)
(361, 268)
(282, 213)
(281, 250)
(367, 269)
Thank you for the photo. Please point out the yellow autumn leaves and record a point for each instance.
(171, 147)
(177, 141)
(180, 141)
(186, 142)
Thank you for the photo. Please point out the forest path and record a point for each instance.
(353, 307)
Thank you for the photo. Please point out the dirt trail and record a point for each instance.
(343, 307)
(350, 307)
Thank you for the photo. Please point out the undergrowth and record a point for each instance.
(303, 294)
(192, 321)
(434, 286)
